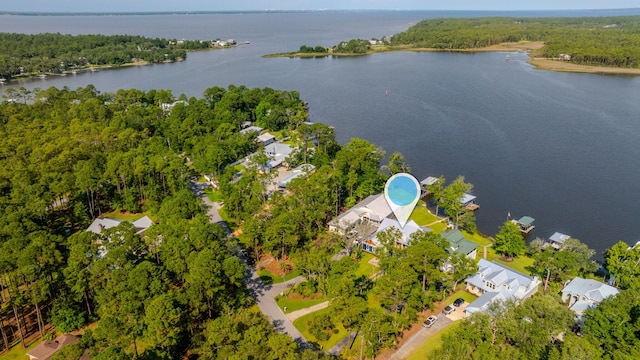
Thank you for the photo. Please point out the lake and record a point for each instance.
(560, 147)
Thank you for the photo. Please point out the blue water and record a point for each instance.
(560, 147)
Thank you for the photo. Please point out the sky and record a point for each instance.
(228, 5)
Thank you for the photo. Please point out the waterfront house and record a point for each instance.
(372, 244)
(582, 294)
(428, 181)
(496, 282)
(277, 153)
(372, 210)
(458, 243)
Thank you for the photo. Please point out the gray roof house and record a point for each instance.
(300, 171)
(265, 139)
(98, 225)
(494, 282)
(371, 244)
(277, 153)
(582, 294)
(374, 209)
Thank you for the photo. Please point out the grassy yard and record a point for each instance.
(294, 305)
(364, 268)
(422, 216)
(269, 278)
(18, 353)
(435, 342)
(301, 325)
(468, 297)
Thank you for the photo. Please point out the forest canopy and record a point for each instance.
(602, 41)
(57, 53)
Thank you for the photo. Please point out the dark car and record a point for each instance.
(458, 302)
(430, 321)
(449, 309)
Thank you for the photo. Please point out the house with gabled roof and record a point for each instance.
(372, 244)
(98, 225)
(496, 282)
(372, 209)
(458, 243)
(582, 294)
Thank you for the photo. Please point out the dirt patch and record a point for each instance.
(277, 267)
(296, 296)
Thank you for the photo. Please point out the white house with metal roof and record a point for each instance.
(371, 244)
(373, 209)
(582, 294)
(98, 225)
(496, 282)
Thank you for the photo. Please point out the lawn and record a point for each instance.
(424, 351)
(468, 297)
(294, 305)
(364, 268)
(270, 278)
(18, 353)
(422, 216)
(301, 325)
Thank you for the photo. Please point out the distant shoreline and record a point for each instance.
(528, 46)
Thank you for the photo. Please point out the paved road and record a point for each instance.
(264, 294)
(420, 337)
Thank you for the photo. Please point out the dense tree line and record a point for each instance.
(543, 328)
(603, 41)
(68, 156)
(57, 53)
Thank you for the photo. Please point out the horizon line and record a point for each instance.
(187, 12)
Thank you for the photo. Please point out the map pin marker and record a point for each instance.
(402, 192)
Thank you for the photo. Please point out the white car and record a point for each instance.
(430, 321)
(449, 309)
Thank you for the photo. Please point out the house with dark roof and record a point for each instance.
(496, 282)
(458, 243)
(582, 294)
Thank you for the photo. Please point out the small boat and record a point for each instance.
(507, 58)
(94, 70)
(42, 76)
(74, 72)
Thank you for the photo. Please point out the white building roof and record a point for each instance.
(98, 225)
(409, 228)
(373, 207)
(265, 138)
(430, 180)
(250, 129)
(466, 198)
(590, 289)
(558, 238)
(499, 279)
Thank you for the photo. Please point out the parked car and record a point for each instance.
(458, 302)
(449, 309)
(430, 321)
